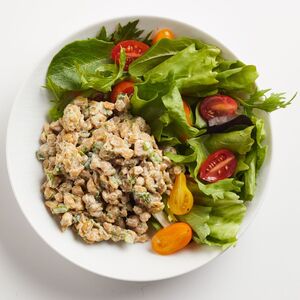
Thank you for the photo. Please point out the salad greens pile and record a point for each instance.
(172, 70)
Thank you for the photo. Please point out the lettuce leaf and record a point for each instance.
(99, 76)
(198, 218)
(192, 68)
(199, 122)
(159, 52)
(208, 200)
(261, 149)
(169, 140)
(198, 148)
(241, 165)
(224, 224)
(78, 67)
(237, 141)
(254, 160)
(247, 144)
(222, 189)
(147, 103)
(217, 223)
(160, 104)
(177, 122)
(62, 74)
(236, 76)
(198, 68)
(181, 159)
(250, 176)
(193, 158)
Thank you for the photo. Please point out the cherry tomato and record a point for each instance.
(163, 34)
(124, 87)
(181, 199)
(187, 111)
(172, 238)
(218, 165)
(217, 106)
(133, 50)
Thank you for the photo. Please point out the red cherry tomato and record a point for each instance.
(218, 165)
(133, 50)
(187, 111)
(217, 106)
(124, 87)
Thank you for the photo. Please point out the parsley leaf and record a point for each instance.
(269, 103)
(147, 39)
(102, 35)
(130, 31)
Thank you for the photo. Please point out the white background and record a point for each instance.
(266, 262)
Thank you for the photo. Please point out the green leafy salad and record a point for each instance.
(203, 110)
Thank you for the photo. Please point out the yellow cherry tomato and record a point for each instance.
(181, 199)
(172, 238)
(163, 34)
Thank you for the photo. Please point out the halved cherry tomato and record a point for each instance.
(218, 165)
(133, 49)
(163, 34)
(172, 238)
(187, 111)
(217, 106)
(181, 199)
(124, 87)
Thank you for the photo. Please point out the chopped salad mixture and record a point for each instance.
(152, 132)
(105, 174)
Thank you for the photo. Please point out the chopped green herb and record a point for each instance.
(83, 151)
(132, 180)
(57, 169)
(128, 237)
(121, 96)
(155, 157)
(88, 161)
(76, 218)
(115, 179)
(107, 112)
(97, 195)
(50, 177)
(60, 209)
(144, 196)
(147, 146)
(39, 156)
(97, 146)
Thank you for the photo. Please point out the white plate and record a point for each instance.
(126, 262)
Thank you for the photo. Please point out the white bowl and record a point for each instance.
(126, 262)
